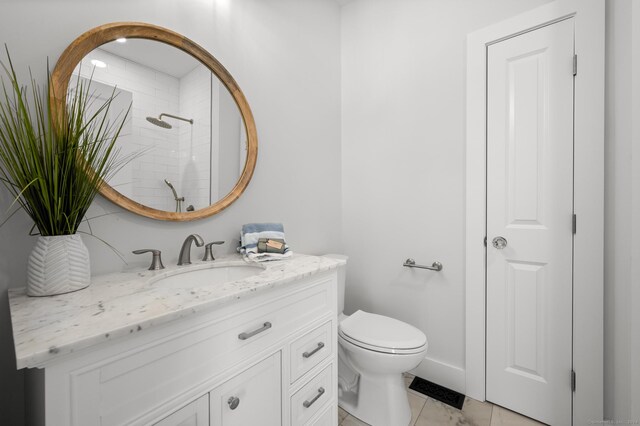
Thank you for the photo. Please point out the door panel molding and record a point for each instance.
(588, 197)
(530, 177)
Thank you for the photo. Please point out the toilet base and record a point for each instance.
(381, 400)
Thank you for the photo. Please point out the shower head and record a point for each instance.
(158, 121)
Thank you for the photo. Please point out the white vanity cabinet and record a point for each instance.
(253, 397)
(268, 359)
(195, 413)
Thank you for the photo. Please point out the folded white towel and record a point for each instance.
(252, 232)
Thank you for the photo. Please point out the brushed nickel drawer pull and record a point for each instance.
(245, 336)
(308, 404)
(309, 354)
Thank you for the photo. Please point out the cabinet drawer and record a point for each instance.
(313, 397)
(307, 351)
(329, 417)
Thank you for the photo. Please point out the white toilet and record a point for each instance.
(374, 351)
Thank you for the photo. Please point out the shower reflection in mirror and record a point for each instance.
(184, 125)
(160, 123)
(179, 200)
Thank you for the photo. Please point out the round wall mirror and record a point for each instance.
(190, 134)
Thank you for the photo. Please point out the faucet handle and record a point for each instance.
(156, 261)
(208, 255)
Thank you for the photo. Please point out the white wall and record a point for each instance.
(618, 212)
(284, 54)
(403, 100)
(634, 376)
(622, 210)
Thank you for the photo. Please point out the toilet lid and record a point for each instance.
(382, 332)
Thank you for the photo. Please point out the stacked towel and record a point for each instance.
(253, 232)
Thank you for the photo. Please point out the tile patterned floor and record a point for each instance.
(426, 411)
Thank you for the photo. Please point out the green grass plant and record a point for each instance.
(53, 167)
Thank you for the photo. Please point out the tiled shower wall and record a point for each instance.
(153, 92)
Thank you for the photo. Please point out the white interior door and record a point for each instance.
(530, 205)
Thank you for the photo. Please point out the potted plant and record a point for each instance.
(52, 161)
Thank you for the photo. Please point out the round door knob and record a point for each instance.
(233, 402)
(499, 242)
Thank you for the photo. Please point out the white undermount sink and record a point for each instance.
(208, 276)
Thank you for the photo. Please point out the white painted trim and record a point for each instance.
(634, 331)
(588, 198)
(439, 372)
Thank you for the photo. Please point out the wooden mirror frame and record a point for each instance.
(98, 36)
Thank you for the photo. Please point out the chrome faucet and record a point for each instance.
(185, 251)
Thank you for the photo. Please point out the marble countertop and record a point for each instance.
(123, 303)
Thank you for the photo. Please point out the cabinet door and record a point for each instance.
(253, 397)
(193, 414)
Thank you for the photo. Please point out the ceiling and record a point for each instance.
(154, 54)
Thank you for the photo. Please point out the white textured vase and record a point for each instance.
(57, 265)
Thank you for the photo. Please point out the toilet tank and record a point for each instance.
(342, 275)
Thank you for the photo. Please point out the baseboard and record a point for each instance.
(441, 373)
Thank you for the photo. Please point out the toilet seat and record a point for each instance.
(382, 334)
(390, 351)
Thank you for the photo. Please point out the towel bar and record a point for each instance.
(435, 266)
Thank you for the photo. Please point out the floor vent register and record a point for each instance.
(438, 392)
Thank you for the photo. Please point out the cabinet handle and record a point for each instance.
(245, 335)
(309, 354)
(308, 404)
(233, 402)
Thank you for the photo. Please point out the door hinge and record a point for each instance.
(575, 65)
(485, 241)
(573, 381)
(574, 224)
